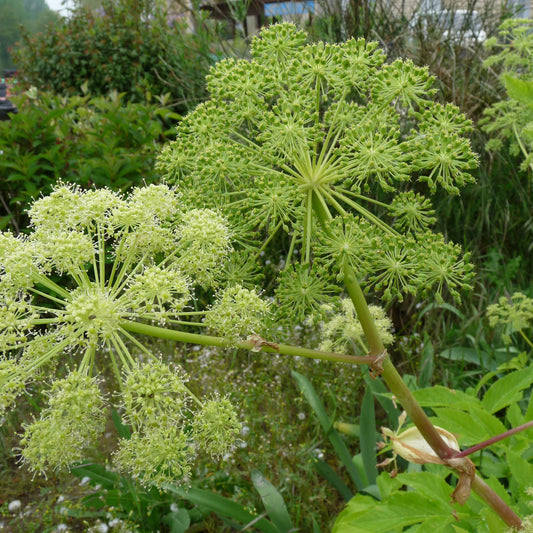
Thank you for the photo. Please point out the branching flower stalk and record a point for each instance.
(324, 145)
(311, 149)
(97, 273)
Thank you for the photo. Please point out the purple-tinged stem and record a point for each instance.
(497, 438)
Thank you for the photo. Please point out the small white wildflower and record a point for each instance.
(174, 507)
(14, 506)
(85, 480)
(99, 527)
(301, 416)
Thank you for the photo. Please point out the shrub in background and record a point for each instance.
(92, 140)
(123, 46)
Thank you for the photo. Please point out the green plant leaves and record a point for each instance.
(424, 506)
(428, 506)
(178, 521)
(368, 437)
(327, 425)
(273, 501)
(521, 90)
(224, 507)
(507, 390)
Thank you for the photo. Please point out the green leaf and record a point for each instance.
(383, 396)
(178, 521)
(432, 486)
(122, 430)
(518, 89)
(466, 355)
(521, 470)
(439, 396)
(426, 363)
(400, 510)
(368, 437)
(470, 427)
(333, 479)
(494, 523)
(327, 425)
(273, 501)
(97, 474)
(316, 527)
(223, 507)
(507, 390)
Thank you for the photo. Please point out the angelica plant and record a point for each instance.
(95, 262)
(509, 120)
(325, 146)
(320, 150)
(327, 152)
(97, 271)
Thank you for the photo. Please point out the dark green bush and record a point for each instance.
(87, 140)
(124, 46)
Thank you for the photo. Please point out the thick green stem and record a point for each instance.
(401, 392)
(375, 344)
(496, 503)
(254, 344)
(389, 373)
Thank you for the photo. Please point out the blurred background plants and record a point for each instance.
(129, 47)
(94, 140)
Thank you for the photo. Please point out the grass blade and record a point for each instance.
(333, 479)
(273, 501)
(223, 507)
(367, 437)
(338, 444)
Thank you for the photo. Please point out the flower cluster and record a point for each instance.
(514, 314)
(237, 313)
(341, 331)
(95, 264)
(305, 134)
(510, 120)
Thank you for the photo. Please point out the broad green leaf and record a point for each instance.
(223, 507)
(400, 510)
(508, 389)
(439, 396)
(178, 521)
(273, 502)
(327, 425)
(387, 484)
(518, 89)
(521, 470)
(494, 523)
(432, 486)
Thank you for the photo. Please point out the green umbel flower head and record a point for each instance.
(340, 330)
(95, 264)
(513, 314)
(304, 133)
(73, 420)
(237, 313)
